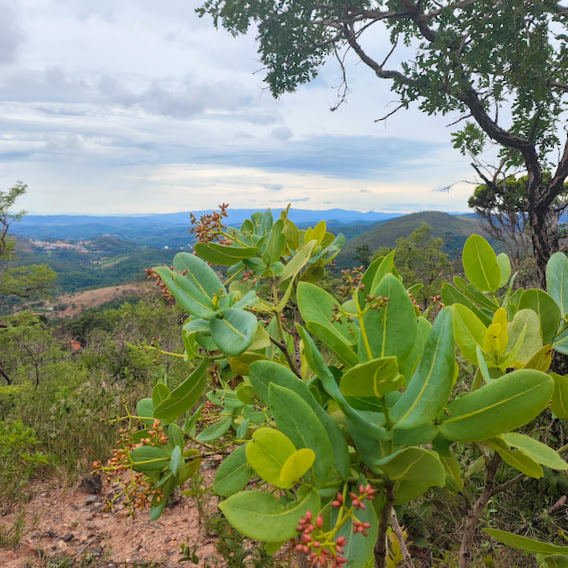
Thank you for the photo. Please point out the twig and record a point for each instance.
(403, 548)
(381, 545)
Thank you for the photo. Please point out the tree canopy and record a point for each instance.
(502, 65)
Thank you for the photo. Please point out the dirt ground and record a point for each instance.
(67, 524)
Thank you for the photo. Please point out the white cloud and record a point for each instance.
(138, 106)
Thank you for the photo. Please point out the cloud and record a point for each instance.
(11, 36)
(281, 133)
(273, 186)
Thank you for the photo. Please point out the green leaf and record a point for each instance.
(188, 296)
(374, 378)
(175, 460)
(233, 474)
(199, 273)
(300, 423)
(276, 244)
(384, 267)
(416, 469)
(316, 308)
(505, 267)
(263, 373)
(215, 430)
(298, 261)
(518, 460)
(317, 364)
(430, 386)
(267, 454)
(500, 406)
(297, 465)
(454, 479)
(183, 398)
(524, 543)
(408, 364)
(480, 264)
(547, 310)
(159, 392)
(451, 295)
(475, 295)
(390, 331)
(234, 332)
(524, 337)
(262, 517)
(149, 458)
(145, 410)
(536, 450)
(559, 404)
(557, 280)
(469, 332)
(222, 254)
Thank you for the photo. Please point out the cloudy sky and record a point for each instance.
(139, 106)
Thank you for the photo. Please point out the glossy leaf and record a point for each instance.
(480, 264)
(500, 406)
(520, 461)
(547, 311)
(199, 273)
(182, 398)
(188, 296)
(539, 452)
(149, 458)
(451, 295)
(222, 254)
(374, 378)
(318, 365)
(215, 431)
(557, 280)
(469, 331)
(267, 454)
(430, 386)
(262, 517)
(560, 396)
(300, 423)
(408, 364)
(524, 543)
(505, 267)
(390, 331)
(524, 336)
(263, 373)
(298, 261)
(233, 474)
(234, 332)
(297, 465)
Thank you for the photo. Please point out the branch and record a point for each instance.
(401, 105)
(561, 173)
(401, 541)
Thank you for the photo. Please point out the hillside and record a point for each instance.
(454, 229)
(91, 263)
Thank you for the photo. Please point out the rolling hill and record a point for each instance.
(454, 229)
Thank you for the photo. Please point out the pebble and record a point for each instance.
(68, 537)
(90, 500)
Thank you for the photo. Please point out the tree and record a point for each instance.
(480, 58)
(420, 259)
(23, 281)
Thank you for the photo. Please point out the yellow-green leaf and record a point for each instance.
(297, 465)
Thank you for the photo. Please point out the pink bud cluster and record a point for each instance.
(319, 546)
(314, 544)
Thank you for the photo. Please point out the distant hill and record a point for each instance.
(454, 229)
(172, 229)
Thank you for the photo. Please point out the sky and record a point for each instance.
(139, 106)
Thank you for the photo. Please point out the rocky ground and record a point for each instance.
(68, 527)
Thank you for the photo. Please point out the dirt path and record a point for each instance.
(67, 525)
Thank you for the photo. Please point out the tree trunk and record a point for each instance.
(542, 241)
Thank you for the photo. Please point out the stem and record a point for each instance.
(472, 519)
(381, 546)
(401, 541)
(563, 449)
(284, 349)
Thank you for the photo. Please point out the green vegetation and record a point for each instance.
(352, 417)
(452, 229)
